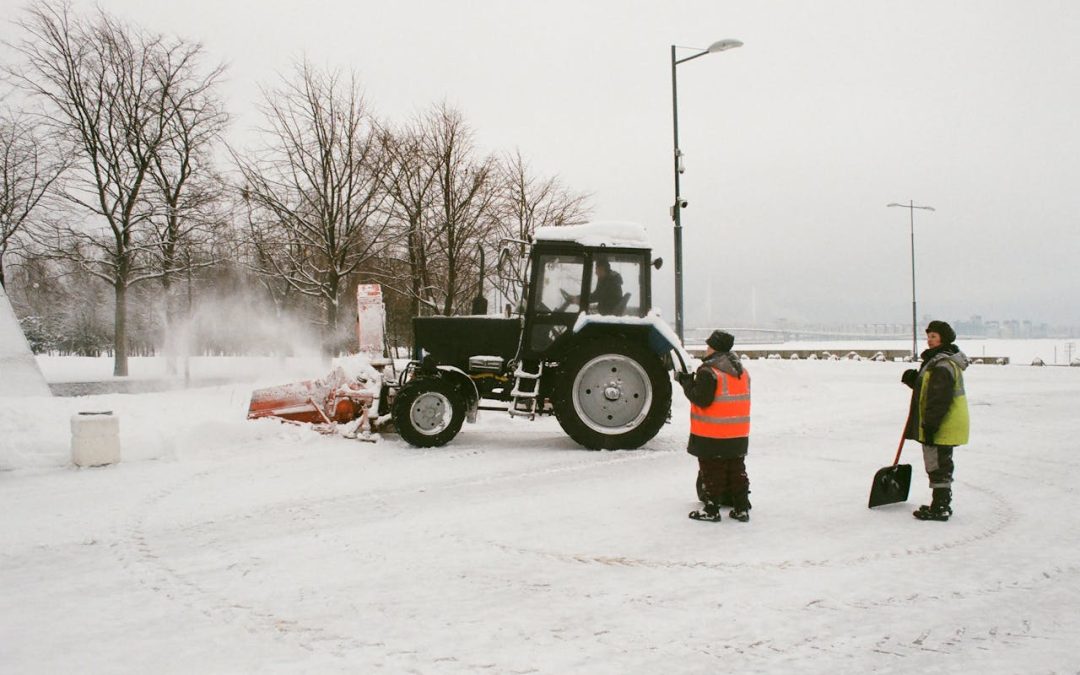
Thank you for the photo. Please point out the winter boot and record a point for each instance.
(940, 507)
(741, 508)
(710, 513)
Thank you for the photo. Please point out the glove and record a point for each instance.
(909, 377)
(684, 378)
(928, 433)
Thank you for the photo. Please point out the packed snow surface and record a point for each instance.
(223, 545)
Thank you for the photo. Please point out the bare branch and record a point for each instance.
(315, 205)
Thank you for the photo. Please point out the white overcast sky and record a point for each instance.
(794, 143)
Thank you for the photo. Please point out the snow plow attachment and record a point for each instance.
(342, 396)
(334, 399)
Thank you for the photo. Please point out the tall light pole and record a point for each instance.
(910, 206)
(680, 203)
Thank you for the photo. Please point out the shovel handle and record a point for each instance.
(900, 447)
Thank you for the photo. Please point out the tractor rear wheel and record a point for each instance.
(612, 395)
(428, 412)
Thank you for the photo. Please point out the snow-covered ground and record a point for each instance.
(222, 545)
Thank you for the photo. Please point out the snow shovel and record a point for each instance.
(892, 483)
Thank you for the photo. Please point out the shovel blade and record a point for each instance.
(891, 485)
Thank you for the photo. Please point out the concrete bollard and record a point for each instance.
(95, 438)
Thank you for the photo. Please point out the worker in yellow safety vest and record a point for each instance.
(938, 414)
(719, 393)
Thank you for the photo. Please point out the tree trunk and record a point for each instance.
(451, 287)
(120, 352)
(168, 337)
(330, 337)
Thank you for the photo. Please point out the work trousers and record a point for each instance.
(939, 464)
(723, 479)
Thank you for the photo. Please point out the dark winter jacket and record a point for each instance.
(608, 293)
(936, 381)
(700, 389)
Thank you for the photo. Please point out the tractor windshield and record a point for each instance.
(558, 289)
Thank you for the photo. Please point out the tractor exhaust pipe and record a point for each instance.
(480, 303)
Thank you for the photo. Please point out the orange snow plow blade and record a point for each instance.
(338, 398)
(333, 399)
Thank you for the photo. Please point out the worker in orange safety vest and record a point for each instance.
(719, 393)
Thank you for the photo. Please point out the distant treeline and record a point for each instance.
(128, 222)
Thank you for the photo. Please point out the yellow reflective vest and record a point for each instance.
(955, 425)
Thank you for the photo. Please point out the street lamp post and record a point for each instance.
(910, 206)
(680, 203)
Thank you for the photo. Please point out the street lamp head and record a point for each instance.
(723, 45)
(911, 206)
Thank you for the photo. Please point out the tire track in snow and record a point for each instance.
(154, 571)
(349, 504)
(341, 507)
(1003, 518)
(983, 636)
(1066, 484)
(956, 641)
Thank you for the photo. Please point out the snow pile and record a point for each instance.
(600, 233)
(662, 339)
(19, 372)
(358, 368)
(167, 425)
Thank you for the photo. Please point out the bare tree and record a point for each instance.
(314, 191)
(186, 222)
(448, 204)
(110, 89)
(464, 214)
(28, 169)
(409, 182)
(182, 172)
(527, 202)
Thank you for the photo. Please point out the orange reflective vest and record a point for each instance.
(728, 416)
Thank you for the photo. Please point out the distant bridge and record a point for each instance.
(695, 341)
(758, 335)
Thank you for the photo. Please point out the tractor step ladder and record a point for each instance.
(524, 394)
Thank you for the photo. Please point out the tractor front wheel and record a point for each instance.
(428, 412)
(612, 395)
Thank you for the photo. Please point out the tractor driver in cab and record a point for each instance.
(607, 293)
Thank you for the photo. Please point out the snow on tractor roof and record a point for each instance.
(605, 233)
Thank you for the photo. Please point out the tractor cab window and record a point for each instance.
(616, 285)
(558, 287)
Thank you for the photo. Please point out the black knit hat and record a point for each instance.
(948, 335)
(721, 341)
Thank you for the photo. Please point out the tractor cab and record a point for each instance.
(582, 269)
